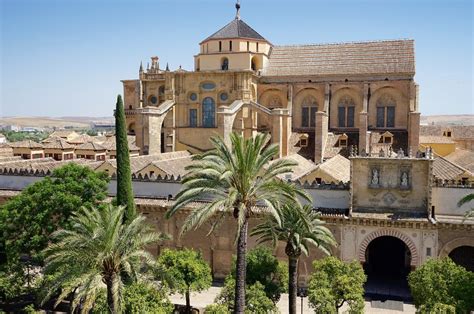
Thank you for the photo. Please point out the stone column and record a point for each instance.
(281, 130)
(320, 136)
(225, 122)
(413, 131)
(363, 122)
(155, 125)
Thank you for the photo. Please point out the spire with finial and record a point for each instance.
(237, 7)
(167, 67)
(141, 67)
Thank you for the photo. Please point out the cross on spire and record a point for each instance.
(237, 7)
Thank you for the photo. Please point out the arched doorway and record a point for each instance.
(463, 256)
(387, 264)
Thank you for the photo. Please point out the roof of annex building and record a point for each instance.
(26, 144)
(463, 158)
(370, 58)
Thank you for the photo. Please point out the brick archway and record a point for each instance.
(392, 233)
(453, 244)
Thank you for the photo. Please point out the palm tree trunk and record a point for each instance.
(292, 283)
(113, 294)
(241, 267)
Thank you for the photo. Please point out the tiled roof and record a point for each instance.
(175, 167)
(463, 158)
(58, 143)
(81, 139)
(337, 167)
(431, 139)
(236, 29)
(26, 144)
(332, 147)
(139, 162)
(91, 146)
(110, 145)
(377, 57)
(40, 164)
(304, 166)
(458, 131)
(446, 170)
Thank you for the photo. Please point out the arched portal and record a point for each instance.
(463, 256)
(387, 264)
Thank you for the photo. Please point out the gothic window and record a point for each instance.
(192, 118)
(225, 64)
(385, 111)
(309, 107)
(208, 112)
(230, 45)
(345, 112)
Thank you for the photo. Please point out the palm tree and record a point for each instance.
(99, 250)
(466, 199)
(300, 228)
(235, 180)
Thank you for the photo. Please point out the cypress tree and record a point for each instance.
(124, 175)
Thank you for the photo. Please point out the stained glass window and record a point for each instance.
(208, 112)
(193, 118)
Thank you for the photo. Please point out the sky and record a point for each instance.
(67, 57)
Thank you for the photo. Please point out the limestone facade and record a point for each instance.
(243, 83)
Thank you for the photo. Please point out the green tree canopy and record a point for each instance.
(265, 268)
(138, 297)
(440, 282)
(189, 271)
(256, 301)
(27, 220)
(334, 283)
(98, 249)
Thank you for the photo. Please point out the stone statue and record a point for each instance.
(404, 180)
(375, 177)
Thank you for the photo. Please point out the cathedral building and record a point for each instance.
(310, 98)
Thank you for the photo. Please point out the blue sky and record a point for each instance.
(67, 57)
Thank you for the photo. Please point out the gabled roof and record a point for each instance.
(355, 58)
(446, 170)
(26, 144)
(58, 143)
(303, 166)
(463, 158)
(91, 146)
(236, 29)
(337, 167)
(80, 139)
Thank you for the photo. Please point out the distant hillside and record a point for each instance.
(459, 119)
(51, 122)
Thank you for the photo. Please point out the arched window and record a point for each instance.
(386, 111)
(225, 64)
(309, 107)
(345, 112)
(208, 112)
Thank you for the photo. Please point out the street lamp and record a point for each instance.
(302, 292)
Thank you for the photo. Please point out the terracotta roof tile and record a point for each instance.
(59, 143)
(26, 144)
(446, 170)
(463, 158)
(431, 139)
(377, 57)
(91, 146)
(337, 167)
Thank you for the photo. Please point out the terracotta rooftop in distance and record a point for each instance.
(355, 58)
(58, 143)
(26, 144)
(81, 139)
(457, 131)
(431, 139)
(446, 170)
(91, 146)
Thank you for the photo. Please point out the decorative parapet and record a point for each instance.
(323, 185)
(462, 184)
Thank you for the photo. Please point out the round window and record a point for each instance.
(153, 100)
(193, 96)
(224, 96)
